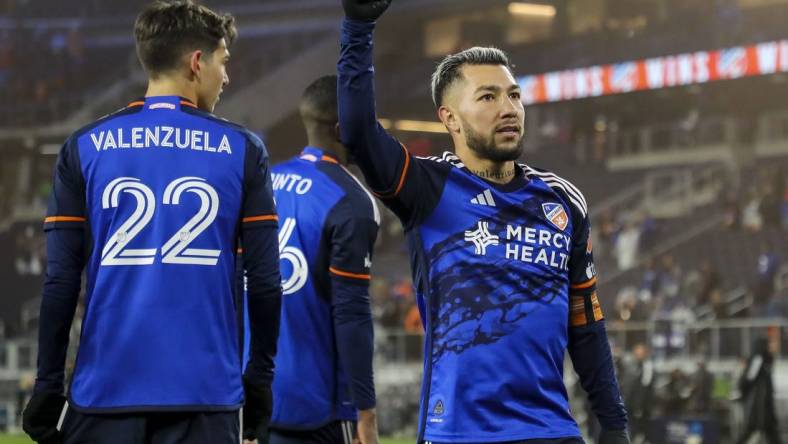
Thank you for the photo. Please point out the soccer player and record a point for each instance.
(329, 222)
(151, 201)
(501, 256)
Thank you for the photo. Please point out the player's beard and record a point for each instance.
(486, 148)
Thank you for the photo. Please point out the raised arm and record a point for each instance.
(381, 157)
(394, 176)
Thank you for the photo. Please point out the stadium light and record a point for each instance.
(532, 9)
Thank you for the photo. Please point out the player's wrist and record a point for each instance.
(357, 27)
(367, 414)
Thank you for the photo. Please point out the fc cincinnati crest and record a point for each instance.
(556, 215)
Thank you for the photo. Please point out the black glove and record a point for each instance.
(613, 437)
(41, 415)
(257, 411)
(365, 10)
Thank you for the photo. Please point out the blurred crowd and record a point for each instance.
(42, 72)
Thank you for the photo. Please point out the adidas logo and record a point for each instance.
(484, 198)
(438, 410)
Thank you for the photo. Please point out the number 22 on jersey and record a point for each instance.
(175, 250)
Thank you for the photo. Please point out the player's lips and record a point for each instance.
(509, 130)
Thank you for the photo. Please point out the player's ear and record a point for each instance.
(449, 119)
(194, 62)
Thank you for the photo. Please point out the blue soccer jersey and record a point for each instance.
(504, 278)
(161, 190)
(328, 226)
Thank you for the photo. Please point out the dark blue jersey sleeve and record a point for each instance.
(588, 344)
(66, 257)
(261, 261)
(353, 230)
(408, 185)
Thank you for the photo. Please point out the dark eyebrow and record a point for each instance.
(491, 88)
(495, 89)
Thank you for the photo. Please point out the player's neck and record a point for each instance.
(168, 87)
(496, 172)
(330, 148)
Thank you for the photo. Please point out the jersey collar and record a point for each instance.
(162, 102)
(314, 154)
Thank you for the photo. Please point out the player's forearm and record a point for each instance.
(380, 156)
(593, 362)
(65, 260)
(261, 260)
(355, 338)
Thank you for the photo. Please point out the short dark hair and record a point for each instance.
(319, 101)
(448, 71)
(165, 30)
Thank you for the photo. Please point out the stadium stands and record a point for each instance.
(687, 186)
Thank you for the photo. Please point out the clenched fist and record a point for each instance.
(365, 10)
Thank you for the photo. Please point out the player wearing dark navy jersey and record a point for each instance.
(329, 223)
(150, 202)
(501, 257)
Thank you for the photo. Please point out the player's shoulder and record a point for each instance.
(357, 200)
(286, 166)
(107, 119)
(560, 185)
(253, 140)
(445, 161)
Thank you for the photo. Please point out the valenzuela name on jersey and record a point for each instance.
(160, 137)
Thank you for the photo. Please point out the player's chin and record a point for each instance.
(505, 151)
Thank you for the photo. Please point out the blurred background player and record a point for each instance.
(501, 255)
(329, 223)
(757, 392)
(150, 200)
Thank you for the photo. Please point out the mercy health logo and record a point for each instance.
(556, 215)
(534, 245)
(481, 238)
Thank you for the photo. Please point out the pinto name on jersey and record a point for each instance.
(160, 137)
(291, 183)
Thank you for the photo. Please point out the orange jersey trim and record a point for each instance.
(329, 159)
(598, 316)
(138, 103)
(187, 103)
(577, 310)
(585, 284)
(273, 217)
(349, 275)
(401, 177)
(64, 219)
